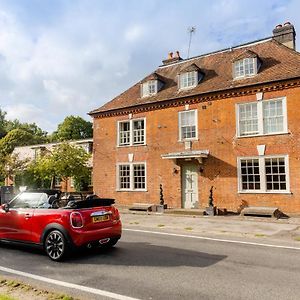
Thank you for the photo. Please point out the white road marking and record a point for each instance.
(68, 285)
(212, 239)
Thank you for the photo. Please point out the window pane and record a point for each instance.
(139, 176)
(273, 116)
(248, 119)
(124, 133)
(275, 175)
(248, 168)
(188, 124)
(124, 176)
(188, 79)
(138, 132)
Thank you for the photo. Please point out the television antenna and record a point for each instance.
(191, 30)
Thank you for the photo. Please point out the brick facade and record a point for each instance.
(215, 98)
(217, 133)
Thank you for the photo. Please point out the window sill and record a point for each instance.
(124, 146)
(120, 190)
(270, 192)
(261, 135)
(188, 140)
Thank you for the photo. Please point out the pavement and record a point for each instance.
(261, 229)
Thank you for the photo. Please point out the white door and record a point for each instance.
(190, 186)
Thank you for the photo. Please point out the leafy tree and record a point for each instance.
(2, 124)
(70, 161)
(39, 135)
(11, 165)
(65, 161)
(16, 137)
(73, 128)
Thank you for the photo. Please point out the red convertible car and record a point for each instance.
(35, 217)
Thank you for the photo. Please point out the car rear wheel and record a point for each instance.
(56, 245)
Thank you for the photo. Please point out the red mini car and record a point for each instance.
(34, 217)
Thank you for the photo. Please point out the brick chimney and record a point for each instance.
(285, 34)
(172, 58)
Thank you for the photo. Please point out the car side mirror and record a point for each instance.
(5, 207)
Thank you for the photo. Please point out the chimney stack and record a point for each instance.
(285, 34)
(171, 59)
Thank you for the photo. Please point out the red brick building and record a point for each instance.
(228, 119)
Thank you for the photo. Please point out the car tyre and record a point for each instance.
(56, 245)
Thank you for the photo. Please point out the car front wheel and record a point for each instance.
(56, 245)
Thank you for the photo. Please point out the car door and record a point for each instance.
(16, 223)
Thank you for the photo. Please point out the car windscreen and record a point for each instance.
(28, 200)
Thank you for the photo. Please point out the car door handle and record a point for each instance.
(27, 216)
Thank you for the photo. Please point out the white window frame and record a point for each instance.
(260, 118)
(72, 182)
(131, 133)
(243, 63)
(146, 88)
(262, 173)
(195, 74)
(57, 181)
(131, 181)
(196, 125)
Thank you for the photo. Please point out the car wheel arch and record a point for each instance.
(55, 226)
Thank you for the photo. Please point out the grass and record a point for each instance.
(5, 297)
(160, 225)
(188, 228)
(260, 235)
(20, 287)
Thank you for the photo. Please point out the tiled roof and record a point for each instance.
(278, 63)
(153, 76)
(245, 54)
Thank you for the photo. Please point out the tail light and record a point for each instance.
(116, 216)
(76, 220)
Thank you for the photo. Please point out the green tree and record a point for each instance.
(2, 124)
(65, 161)
(11, 165)
(16, 137)
(73, 128)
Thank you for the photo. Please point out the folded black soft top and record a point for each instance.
(91, 202)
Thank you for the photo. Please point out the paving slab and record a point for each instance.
(281, 230)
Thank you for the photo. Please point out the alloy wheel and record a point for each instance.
(55, 245)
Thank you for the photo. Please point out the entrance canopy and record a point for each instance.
(187, 155)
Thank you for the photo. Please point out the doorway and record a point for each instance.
(189, 186)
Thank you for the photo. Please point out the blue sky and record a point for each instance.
(63, 57)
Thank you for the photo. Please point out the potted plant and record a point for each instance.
(211, 209)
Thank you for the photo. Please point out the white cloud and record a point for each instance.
(87, 52)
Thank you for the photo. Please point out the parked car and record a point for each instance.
(36, 218)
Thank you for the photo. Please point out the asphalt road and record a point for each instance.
(151, 266)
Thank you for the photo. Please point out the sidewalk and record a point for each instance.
(283, 231)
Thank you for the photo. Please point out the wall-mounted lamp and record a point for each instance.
(201, 170)
(175, 171)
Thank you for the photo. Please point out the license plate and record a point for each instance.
(98, 219)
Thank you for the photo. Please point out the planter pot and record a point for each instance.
(160, 208)
(210, 211)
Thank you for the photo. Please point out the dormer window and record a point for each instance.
(149, 88)
(246, 65)
(188, 79)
